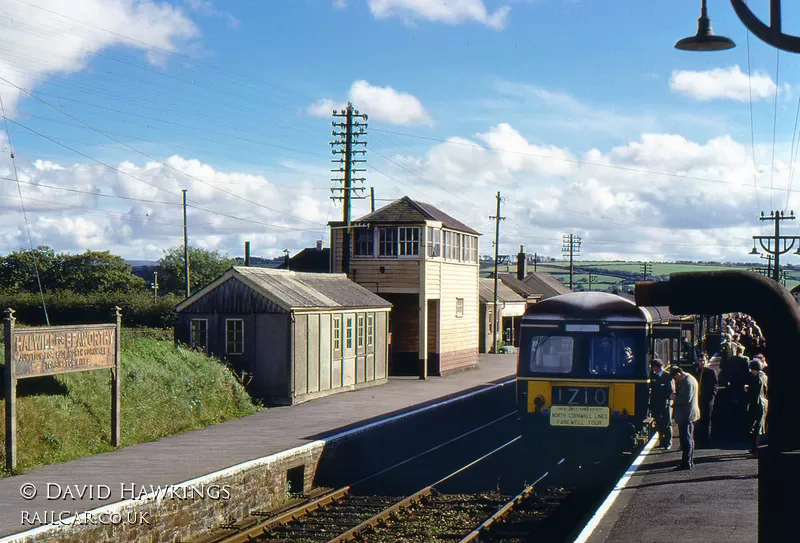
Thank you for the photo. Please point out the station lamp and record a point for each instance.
(754, 251)
(705, 39)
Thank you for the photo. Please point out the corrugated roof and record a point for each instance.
(504, 294)
(298, 290)
(407, 211)
(545, 284)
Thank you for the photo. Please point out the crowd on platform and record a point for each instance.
(687, 398)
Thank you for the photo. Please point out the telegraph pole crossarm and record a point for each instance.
(776, 245)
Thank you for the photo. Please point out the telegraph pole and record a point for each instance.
(535, 260)
(497, 218)
(647, 269)
(345, 147)
(155, 287)
(776, 244)
(571, 244)
(592, 277)
(185, 245)
(372, 199)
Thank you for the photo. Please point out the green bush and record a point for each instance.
(66, 307)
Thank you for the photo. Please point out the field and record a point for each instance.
(165, 390)
(617, 272)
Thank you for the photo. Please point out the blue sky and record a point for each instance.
(230, 97)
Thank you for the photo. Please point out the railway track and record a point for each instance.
(427, 515)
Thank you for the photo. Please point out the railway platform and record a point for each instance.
(192, 455)
(717, 501)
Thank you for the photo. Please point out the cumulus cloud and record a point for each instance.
(381, 103)
(40, 43)
(451, 12)
(63, 214)
(726, 83)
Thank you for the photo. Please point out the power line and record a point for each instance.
(24, 215)
(774, 122)
(752, 131)
(151, 157)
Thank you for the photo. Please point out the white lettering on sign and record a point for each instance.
(585, 416)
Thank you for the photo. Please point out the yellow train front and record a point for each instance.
(583, 371)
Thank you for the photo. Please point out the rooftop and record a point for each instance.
(297, 290)
(407, 211)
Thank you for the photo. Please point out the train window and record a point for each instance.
(552, 354)
(611, 355)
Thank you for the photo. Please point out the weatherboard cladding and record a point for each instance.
(233, 296)
(407, 211)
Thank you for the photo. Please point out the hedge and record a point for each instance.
(70, 308)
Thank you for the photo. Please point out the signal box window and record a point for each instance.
(552, 354)
(199, 339)
(611, 355)
(365, 243)
(234, 336)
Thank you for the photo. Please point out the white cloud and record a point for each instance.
(207, 8)
(728, 83)
(340, 4)
(381, 103)
(47, 43)
(450, 12)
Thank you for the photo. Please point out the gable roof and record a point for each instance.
(297, 290)
(309, 259)
(511, 281)
(407, 211)
(504, 294)
(545, 284)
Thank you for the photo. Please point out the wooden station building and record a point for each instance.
(425, 263)
(299, 335)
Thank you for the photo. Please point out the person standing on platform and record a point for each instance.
(661, 390)
(685, 412)
(757, 403)
(707, 385)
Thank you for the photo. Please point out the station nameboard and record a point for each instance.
(36, 352)
(51, 350)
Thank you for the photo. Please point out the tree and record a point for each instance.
(96, 271)
(18, 270)
(204, 267)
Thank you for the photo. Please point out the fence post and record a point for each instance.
(10, 392)
(115, 379)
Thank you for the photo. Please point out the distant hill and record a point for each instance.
(138, 263)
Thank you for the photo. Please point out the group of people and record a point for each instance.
(687, 398)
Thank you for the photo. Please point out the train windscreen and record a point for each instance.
(612, 354)
(552, 354)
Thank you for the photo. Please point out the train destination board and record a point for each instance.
(46, 351)
(575, 415)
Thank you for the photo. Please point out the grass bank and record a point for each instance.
(165, 390)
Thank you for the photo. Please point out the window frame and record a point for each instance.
(364, 237)
(360, 332)
(336, 335)
(387, 243)
(404, 243)
(192, 341)
(533, 352)
(370, 329)
(228, 342)
(459, 313)
(348, 333)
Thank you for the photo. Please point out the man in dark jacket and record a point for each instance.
(708, 385)
(685, 412)
(662, 388)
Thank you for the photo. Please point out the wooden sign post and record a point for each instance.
(35, 352)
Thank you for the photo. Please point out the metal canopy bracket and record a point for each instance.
(771, 33)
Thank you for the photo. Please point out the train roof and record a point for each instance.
(594, 306)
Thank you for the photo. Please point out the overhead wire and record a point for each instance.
(24, 213)
(169, 166)
(774, 122)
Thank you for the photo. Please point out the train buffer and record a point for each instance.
(717, 501)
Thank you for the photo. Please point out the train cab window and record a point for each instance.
(552, 354)
(611, 355)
